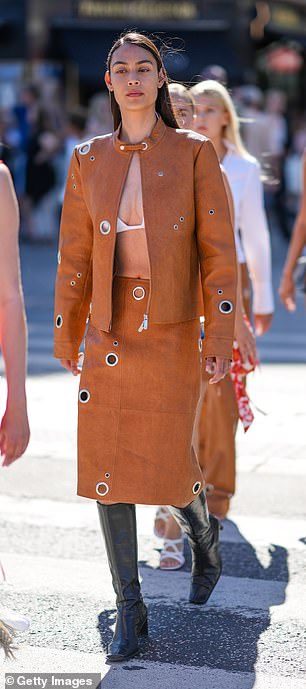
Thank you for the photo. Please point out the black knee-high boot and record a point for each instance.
(118, 524)
(202, 531)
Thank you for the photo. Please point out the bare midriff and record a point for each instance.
(132, 258)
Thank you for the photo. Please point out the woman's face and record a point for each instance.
(210, 116)
(134, 78)
(183, 111)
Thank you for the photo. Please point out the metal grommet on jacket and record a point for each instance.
(84, 396)
(211, 212)
(225, 306)
(139, 293)
(111, 359)
(105, 226)
(196, 487)
(59, 321)
(85, 148)
(105, 489)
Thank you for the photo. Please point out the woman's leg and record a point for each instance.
(202, 531)
(118, 524)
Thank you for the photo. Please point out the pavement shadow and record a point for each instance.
(222, 637)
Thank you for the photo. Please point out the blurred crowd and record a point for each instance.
(38, 134)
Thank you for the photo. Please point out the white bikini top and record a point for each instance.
(123, 227)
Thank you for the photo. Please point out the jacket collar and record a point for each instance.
(154, 138)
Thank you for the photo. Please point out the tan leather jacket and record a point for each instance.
(187, 226)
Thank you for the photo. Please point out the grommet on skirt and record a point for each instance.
(225, 306)
(115, 343)
(102, 488)
(105, 227)
(220, 291)
(196, 487)
(211, 212)
(84, 396)
(59, 321)
(111, 359)
(139, 293)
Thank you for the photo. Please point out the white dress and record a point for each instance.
(251, 228)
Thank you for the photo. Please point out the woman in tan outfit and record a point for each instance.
(149, 253)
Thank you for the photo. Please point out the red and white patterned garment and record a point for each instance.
(239, 371)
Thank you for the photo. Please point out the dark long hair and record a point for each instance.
(163, 102)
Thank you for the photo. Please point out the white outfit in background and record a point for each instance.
(250, 219)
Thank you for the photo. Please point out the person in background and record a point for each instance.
(182, 104)
(14, 426)
(40, 205)
(297, 243)
(99, 120)
(215, 72)
(74, 133)
(216, 118)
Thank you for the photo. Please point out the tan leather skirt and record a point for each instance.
(138, 399)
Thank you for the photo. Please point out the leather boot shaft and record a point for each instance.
(118, 524)
(202, 531)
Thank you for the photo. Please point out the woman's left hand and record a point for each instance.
(245, 338)
(219, 366)
(14, 433)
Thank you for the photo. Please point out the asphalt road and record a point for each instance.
(252, 633)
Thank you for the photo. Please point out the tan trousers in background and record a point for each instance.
(218, 420)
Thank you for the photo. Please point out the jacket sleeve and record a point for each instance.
(256, 241)
(74, 274)
(217, 254)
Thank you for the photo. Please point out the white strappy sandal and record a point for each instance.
(162, 513)
(171, 551)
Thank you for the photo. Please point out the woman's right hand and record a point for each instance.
(286, 292)
(72, 365)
